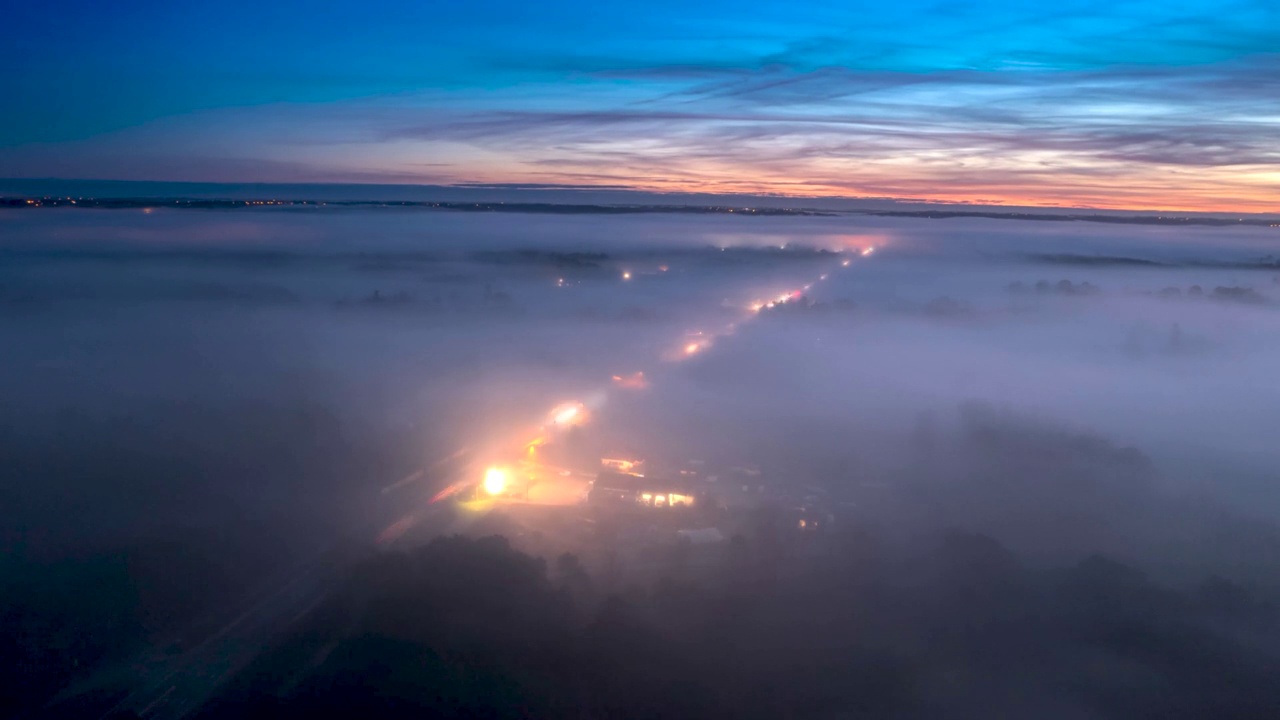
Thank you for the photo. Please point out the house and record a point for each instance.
(623, 488)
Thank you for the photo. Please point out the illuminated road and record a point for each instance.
(169, 686)
(506, 480)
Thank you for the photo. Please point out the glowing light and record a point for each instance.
(568, 414)
(757, 306)
(663, 268)
(626, 274)
(868, 250)
(692, 348)
(845, 263)
(823, 276)
(495, 481)
(634, 381)
(560, 282)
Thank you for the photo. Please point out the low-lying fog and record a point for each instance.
(230, 391)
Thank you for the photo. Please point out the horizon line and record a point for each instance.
(614, 189)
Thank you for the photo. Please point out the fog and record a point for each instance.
(203, 409)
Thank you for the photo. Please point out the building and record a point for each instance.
(613, 487)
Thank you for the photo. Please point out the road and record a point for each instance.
(171, 686)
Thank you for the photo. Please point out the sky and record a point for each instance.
(1138, 105)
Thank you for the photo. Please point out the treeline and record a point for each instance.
(956, 627)
(126, 203)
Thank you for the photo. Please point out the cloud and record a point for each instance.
(1177, 111)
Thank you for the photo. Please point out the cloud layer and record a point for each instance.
(1123, 105)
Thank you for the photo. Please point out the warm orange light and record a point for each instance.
(692, 348)
(626, 275)
(1070, 184)
(868, 250)
(663, 268)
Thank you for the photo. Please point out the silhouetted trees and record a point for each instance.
(956, 628)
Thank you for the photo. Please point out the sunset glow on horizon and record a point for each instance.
(1137, 105)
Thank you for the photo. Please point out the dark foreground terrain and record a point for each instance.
(474, 628)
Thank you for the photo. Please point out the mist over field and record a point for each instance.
(1043, 450)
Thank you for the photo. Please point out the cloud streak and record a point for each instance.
(1085, 105)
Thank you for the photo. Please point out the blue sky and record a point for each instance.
(1134, 104)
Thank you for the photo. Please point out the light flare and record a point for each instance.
(568, 414)
(495, 481)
